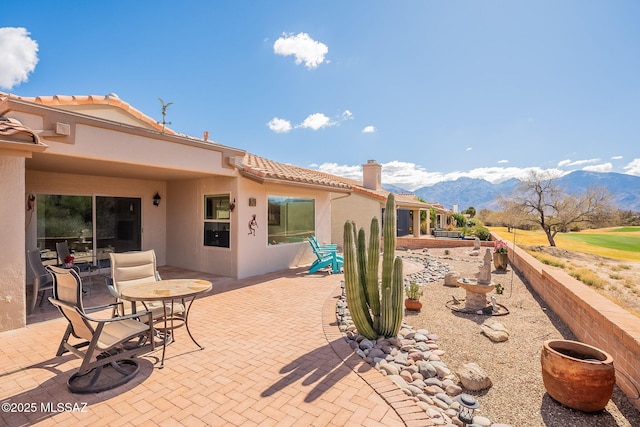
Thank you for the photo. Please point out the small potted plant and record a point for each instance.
(500, 255)
(413, 297)
(68, 261)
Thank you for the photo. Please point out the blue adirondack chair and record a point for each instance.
(326, 257)
(322, 246)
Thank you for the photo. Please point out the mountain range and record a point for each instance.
(482, 194)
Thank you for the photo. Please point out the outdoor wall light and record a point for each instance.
(156, 199)
(469, 405)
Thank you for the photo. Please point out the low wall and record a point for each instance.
(430, 242)
(593, 318)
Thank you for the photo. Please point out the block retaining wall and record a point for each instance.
(441, 242)
(593, 318)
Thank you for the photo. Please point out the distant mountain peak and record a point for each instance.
(482, 194)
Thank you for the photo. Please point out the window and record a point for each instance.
(114, 226)
(290, 219)
(217, 220)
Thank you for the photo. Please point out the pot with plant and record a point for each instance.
(500, 255)
(413, 297)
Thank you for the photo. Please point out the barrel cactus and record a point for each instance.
(376, 309)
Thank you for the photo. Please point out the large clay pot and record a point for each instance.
(577, 375)
(500, 260)
(412, 304)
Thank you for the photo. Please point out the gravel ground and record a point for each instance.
(518, 396)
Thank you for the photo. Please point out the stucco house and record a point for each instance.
(96, 172)
(368, 198)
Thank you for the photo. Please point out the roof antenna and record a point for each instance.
(164, 112)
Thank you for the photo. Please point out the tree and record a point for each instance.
(471, 211)
(541, 200)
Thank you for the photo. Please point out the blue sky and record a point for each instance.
(433, 90)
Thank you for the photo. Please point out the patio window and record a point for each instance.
(290, 219)
(217, 220)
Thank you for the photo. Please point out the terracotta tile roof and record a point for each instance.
(261, 168)
(13, 129)
(111, 99)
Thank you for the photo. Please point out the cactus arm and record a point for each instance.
(386, 312)
(397, 287)
(373, 262)
(389, 230)
(361, 253)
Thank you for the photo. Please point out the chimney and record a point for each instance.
(372, 175)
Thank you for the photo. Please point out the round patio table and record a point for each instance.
(167, 291)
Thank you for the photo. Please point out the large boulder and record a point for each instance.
(473, 377)
(495, 331)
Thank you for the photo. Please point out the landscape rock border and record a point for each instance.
(412, 361)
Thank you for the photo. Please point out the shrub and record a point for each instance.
(461, 220)
(588, 277)
(548, 260)
(480, 232)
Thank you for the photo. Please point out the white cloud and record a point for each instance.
(369, 129)
(303, 47)
(351, 172)
(569, 162)
(468, 149)
(316, 121)
(347, 115)
(616, 157)
(502, 161)
(633, 168)
(411, 176)
(279, 125)
(18, 56)
(604, 167)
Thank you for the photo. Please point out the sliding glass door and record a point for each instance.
(93, 226)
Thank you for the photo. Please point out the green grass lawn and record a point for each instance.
(626, 230)
(621, 243)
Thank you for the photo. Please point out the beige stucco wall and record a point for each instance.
(153, 218)
(248, 255)
(356, 207)
(12, 250)
(291, 255)
(94, 142)
(185, 226)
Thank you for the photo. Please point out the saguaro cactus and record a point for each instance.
(376, 310)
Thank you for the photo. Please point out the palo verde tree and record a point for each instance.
(540, 199)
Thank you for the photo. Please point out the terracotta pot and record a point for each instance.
(577, 375)
(412, 304)
(500, 260)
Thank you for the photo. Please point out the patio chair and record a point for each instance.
(110, 343)
(325, 258)
(132, 268)
(42, 280)
(62, 249)
(324, 247)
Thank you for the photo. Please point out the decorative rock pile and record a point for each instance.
(412, 360)
(433, 270)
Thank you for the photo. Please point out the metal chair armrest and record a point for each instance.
(95, 308)
(119, 318)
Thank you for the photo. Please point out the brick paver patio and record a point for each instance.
(273, 356)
